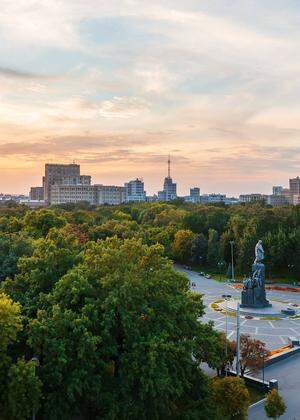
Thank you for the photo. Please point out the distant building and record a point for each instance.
(63, 193)
(212, 198)
(33, 204)
(287, 194)
(295, 186)
(134, 190)
(36, 194)
(277, 200)
(195, 194)
(170, 188)
(109, 194)
(249, 198)
(57, 174)
(296, 199)
(277, 190)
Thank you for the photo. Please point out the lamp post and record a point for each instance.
(226, 297)
(263, 354)
(35, 361)
(232, 266)
(220, 265)
(238, 341)
(291, 269)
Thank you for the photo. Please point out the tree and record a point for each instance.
(214, 348)
(24, 390)
(251, 353)
(10, 326)
(39, 222)
(182, 245)
(213, 251)
(10, 321)
(231, 397)
(274, 406)
(199, 249)
(118, 338)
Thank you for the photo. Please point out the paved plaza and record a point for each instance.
(274, 333)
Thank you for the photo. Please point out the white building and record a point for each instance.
(63, 193)
(249, 198)
(109, 194)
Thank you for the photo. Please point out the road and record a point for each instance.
(273, 333)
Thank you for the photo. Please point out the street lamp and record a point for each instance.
(220, 265)
(226, 297)
(263, 354)
(35, 361)
(291, 267)
(232, 266)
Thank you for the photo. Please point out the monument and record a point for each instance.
(254, 292)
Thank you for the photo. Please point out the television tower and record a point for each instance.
(169, 166)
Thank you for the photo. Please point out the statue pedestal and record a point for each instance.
(254, 293)
(254, 298)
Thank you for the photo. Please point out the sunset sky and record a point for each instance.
(117, 85)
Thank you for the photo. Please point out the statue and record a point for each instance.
(254, 292)
(259, 252)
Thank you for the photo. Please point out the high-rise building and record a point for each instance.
(134, 190)
(295, 186)
(195, 194)
(55, 174)
(277, 190)
(170, 188)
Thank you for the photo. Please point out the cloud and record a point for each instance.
(120, 81)
(121, 107)
(19, 74)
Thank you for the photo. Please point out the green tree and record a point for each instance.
(23, 390)
(182, 245)
(213, 250)
(10, 326)
(199, 249)
(274, 406)
(118, 340)
(231, 397)
(39, 222)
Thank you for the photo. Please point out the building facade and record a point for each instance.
(134, 190)
(295, 186)
(109, 194)
(277, 190)
(57, 174)
(36, 194)
(63, 193)
(249, 198)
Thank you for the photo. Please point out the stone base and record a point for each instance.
(273, 310)
(266, 304)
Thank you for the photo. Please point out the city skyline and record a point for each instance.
(117, 85)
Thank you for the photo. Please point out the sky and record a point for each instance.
(117, 85)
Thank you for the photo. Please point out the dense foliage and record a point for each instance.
(92, 293)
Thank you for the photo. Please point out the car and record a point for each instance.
(208, 276)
